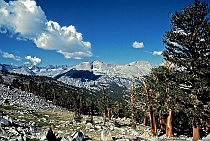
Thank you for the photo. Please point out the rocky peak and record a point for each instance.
(88, 74)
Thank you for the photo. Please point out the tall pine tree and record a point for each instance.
(188, 47)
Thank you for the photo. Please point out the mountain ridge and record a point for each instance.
(90, 75)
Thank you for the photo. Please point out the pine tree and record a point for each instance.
(158, 82)
(188, 48)
(132, 106)
(104, 103)
(77, 104)
(170, 103)
(151, 109)
(32, 86)
(89, 104)
(145, 101)
(132, 100)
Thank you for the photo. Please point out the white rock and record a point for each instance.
(124, 131)
(92, 130)
(136, 132)
(122, 140)
(19, 138)
(64, 139)
(207, 138)
(89, 125)
(112, 127)
(7, 117)
(44, 135)
(106, 135)
(12, 130)
(98, 126)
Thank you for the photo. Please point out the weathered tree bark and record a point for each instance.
(169, 127)
(152, 122)
(196, 132)
(133, 124)
(162, 123)
(109, 113)
(151, 113)
(104, 114)
(77, 115)
(207, 127)
(145, 121)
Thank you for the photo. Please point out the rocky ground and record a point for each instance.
(26, 117)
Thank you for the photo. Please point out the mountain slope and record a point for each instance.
(115, 78)
(91, 75)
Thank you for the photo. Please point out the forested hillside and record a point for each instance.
(79, 100)
(59, 93)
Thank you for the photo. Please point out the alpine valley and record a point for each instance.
(90, 75)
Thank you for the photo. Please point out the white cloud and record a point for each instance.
(65, 40)
(22, 18)
(157, 53)
(34, 60)
(10, 56)
(138, 44)
(27, 21)
(76, 55)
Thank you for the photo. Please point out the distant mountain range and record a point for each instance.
(91, 75)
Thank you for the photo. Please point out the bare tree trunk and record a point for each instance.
(109, 113)
(151, 113)
(169, 127)
(162, 123)
(76, 114)
(133, 124)
(104, 114)
(207, 127)
(145, 121)
(152, 122)
(196, 132)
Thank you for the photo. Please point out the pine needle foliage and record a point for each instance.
(188, 48)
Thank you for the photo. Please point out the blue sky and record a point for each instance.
(58, 32)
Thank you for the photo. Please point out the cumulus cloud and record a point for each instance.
(157, 53)
(65, 40)
(22, 18)
(34, 60)
(27, 21)
(10, 56)
(138, 44)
